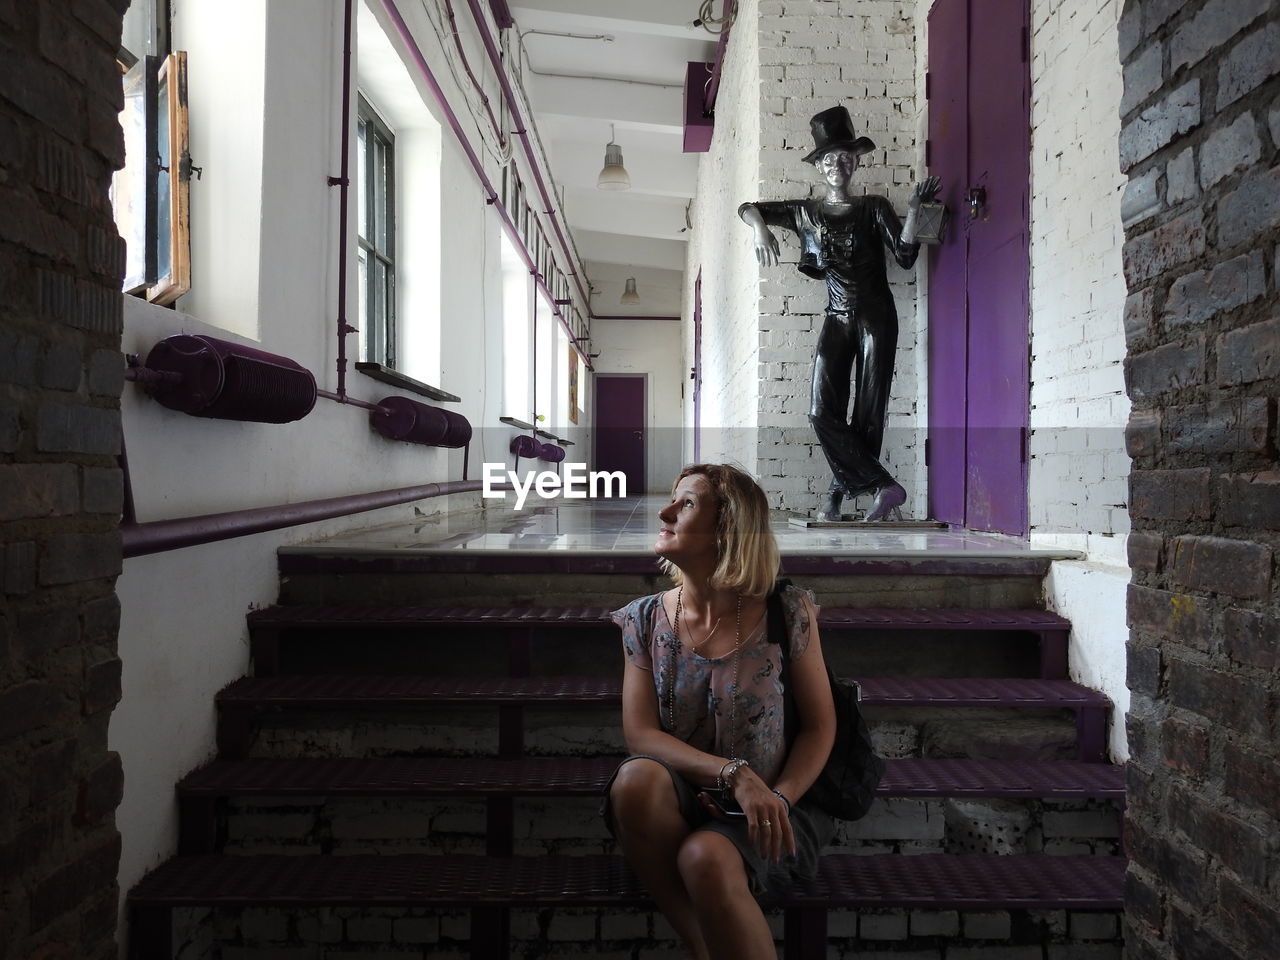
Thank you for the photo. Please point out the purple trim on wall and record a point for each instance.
(160, 535)
(522, 131)
(501, 13)
(699, 125)
(491, 195)
(343, 184)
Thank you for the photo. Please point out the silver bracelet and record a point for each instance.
(778, 794)
(729, 771)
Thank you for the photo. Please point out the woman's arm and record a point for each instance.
(816, 713)
(642, 730)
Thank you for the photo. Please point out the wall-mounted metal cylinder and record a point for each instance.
(525, 447)
(229, 381)
(403, 419)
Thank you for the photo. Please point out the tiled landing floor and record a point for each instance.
(627, 528)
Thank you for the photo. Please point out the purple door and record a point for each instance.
(979, 143)
(620, 427)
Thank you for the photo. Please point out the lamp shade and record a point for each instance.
(629, 295)
(614, 175)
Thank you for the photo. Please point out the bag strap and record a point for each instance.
(777, 633)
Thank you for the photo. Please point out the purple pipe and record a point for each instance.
(495, 58)
(350, 401)
(491, 195)
(343, 183)
(161, 535)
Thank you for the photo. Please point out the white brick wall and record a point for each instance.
(1078, 470)
(810, 55)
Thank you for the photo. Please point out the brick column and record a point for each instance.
(61, 373)
(1201, 126)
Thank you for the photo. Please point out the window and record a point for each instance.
(376, 184)
(516, 288)
(150, 194)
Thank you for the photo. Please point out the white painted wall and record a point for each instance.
(720, 247)
(653, 348)
(265, 94)
(1078, 477)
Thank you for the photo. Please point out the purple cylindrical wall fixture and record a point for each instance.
(229, 381)
(161, 535)
(550, 452)
(525, 447)
(400, 418)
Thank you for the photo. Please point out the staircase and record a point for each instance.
(420, 777)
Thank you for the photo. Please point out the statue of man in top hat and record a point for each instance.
(840, 240)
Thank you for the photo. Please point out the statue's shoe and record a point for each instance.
(829, 512)
(888, 500)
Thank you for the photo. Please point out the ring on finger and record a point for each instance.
(765, 823)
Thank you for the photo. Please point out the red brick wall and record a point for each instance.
(1201, 131)
(60, 489)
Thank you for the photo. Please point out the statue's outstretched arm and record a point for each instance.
(767, 250)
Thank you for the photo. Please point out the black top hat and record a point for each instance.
(833, 128)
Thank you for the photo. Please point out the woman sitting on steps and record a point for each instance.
(708, 808)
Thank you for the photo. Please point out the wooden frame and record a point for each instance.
(173, 182)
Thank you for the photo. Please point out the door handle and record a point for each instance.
(977, 203)
(638, 434)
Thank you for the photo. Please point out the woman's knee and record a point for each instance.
(711, 866)
(641, 788)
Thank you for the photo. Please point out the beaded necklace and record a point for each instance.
(733, 686)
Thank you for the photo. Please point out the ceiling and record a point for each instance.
(579, 88)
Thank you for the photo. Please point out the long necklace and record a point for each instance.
(733, 686)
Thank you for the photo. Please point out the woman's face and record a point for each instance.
(836, 166)
(688, 531)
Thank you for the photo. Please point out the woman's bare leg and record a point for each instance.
(731, 921)
(650, 830)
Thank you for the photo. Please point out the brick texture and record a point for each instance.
(1203, 372)
(60, 381)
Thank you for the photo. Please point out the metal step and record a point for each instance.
(266, 626)
(241, 700)
(491, 885)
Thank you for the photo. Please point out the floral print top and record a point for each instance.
(700, 711)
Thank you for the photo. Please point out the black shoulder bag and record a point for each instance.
(847, 784)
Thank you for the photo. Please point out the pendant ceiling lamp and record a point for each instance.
(629, 295)
(614, 175)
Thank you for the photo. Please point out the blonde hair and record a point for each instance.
(747, 553)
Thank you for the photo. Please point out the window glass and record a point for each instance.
(376, 233)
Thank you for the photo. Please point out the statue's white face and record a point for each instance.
(836, 166)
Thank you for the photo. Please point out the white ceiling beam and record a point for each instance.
(629, 105)
(664, 18)
(634, 251)
(626, 213)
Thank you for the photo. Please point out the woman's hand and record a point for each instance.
(768, 820)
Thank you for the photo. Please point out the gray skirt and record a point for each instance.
(813, 830)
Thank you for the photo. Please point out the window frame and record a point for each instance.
(379, 331)
(162, 227)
